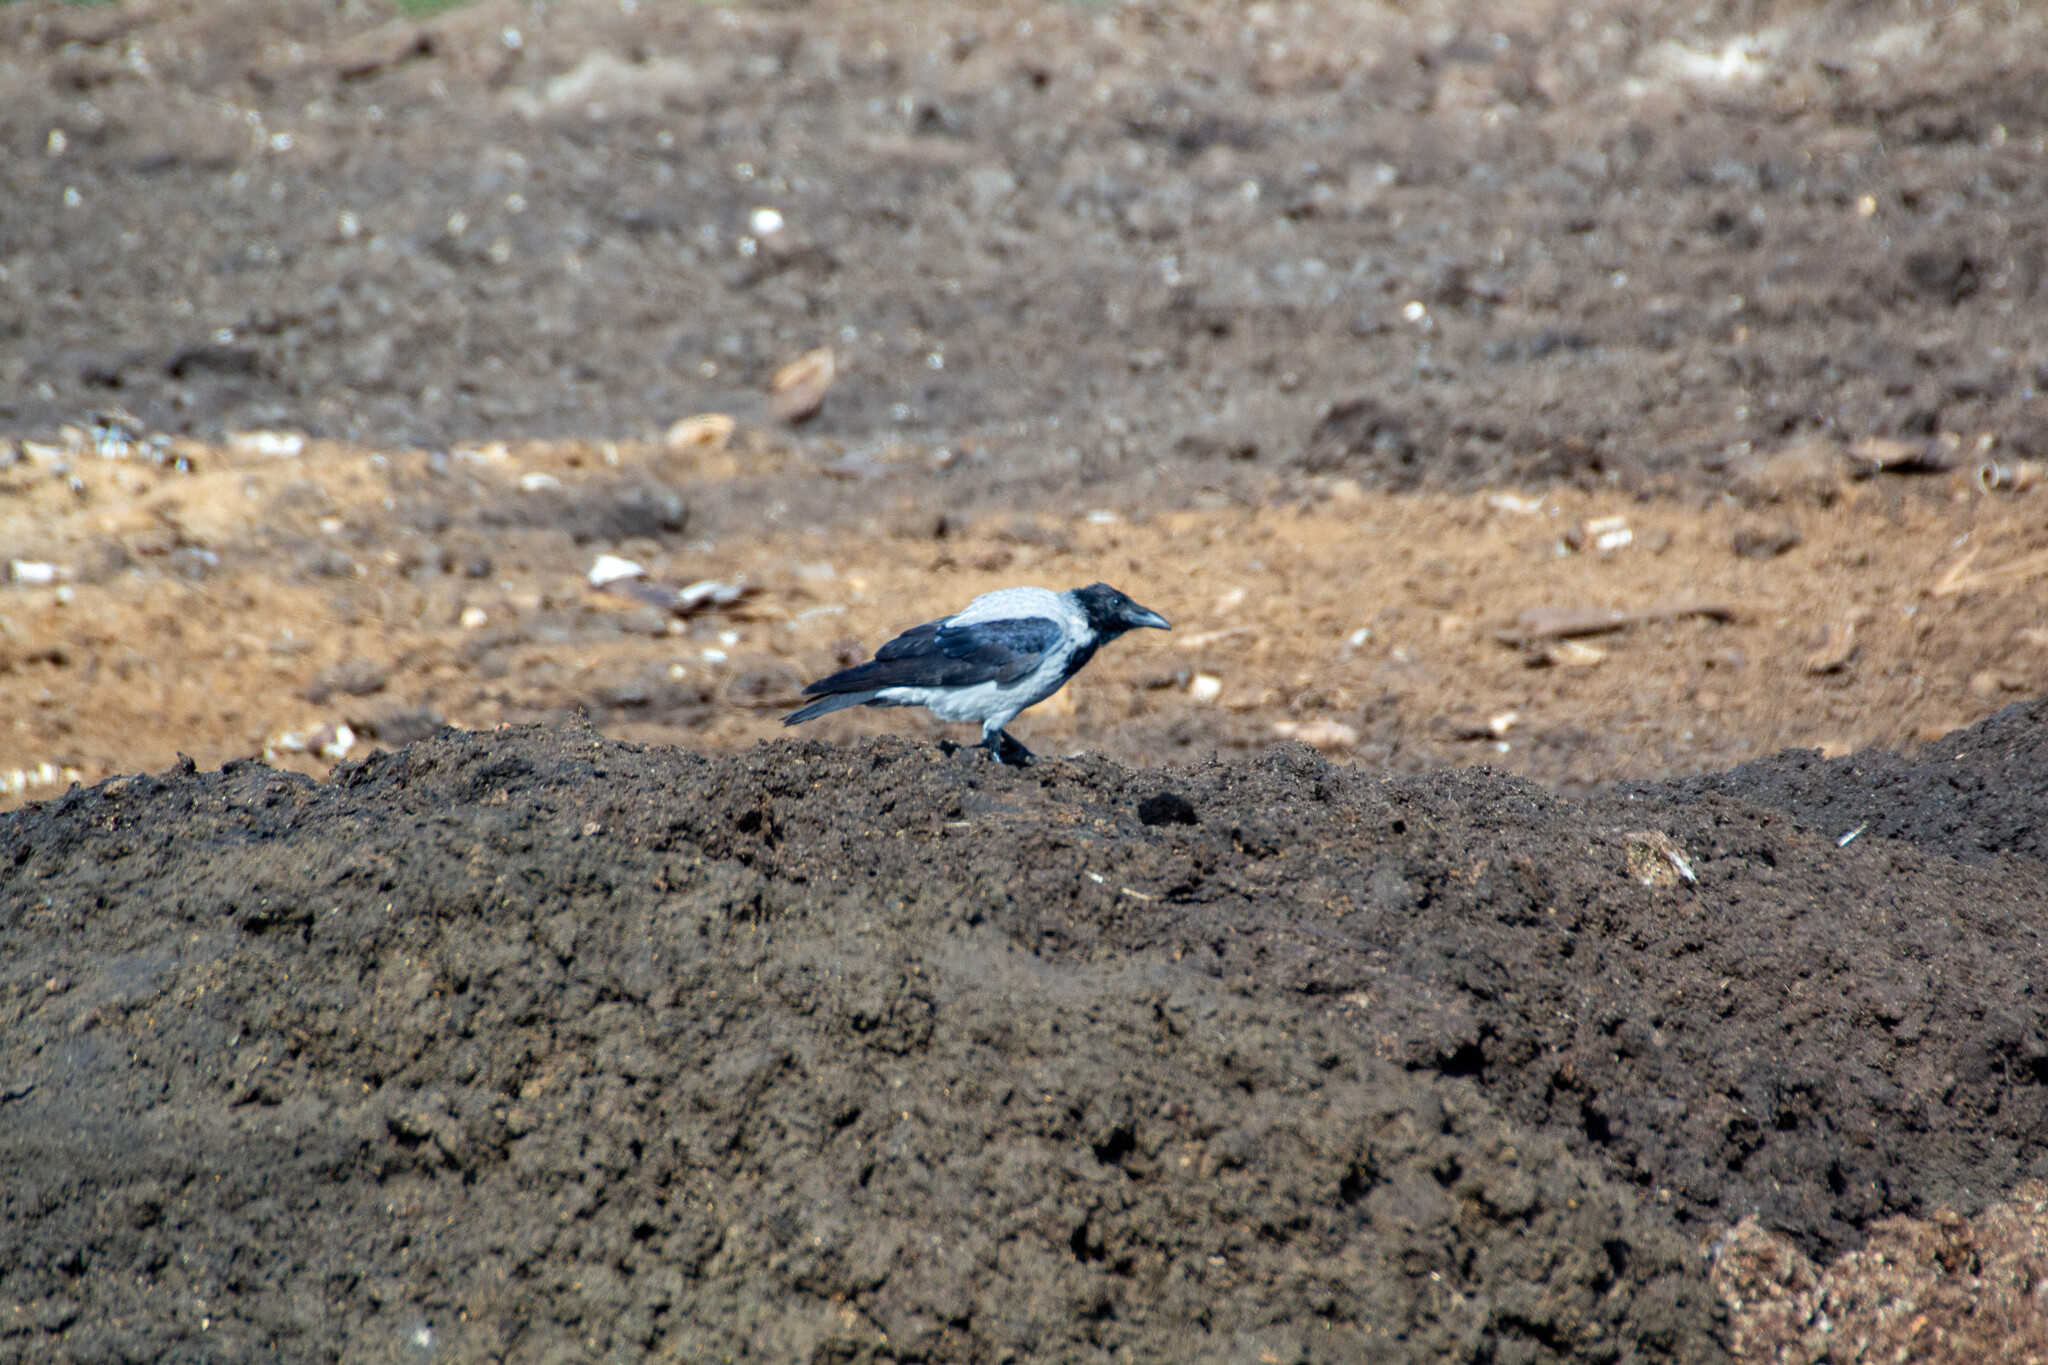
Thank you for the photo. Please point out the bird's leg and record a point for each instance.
(1003, 749)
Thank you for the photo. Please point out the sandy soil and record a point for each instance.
(1604, 394)
(257, 605)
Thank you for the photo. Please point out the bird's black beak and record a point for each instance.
(1145, 616)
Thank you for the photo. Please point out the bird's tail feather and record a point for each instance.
(838, 701)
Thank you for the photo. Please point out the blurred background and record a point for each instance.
(1593, 390)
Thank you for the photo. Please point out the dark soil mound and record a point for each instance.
(534, 1044)
(1979, 794)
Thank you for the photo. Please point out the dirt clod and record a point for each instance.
(1352, 1063)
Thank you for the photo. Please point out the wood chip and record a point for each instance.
(1318, 734)
(798, 388)
(1890, 454)
(707, 431)
(1573, 654)
(1539, 624)
(1958, 579)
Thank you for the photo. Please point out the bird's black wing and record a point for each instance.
(939, 654)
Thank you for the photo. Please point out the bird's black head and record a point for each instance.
(1111, 613)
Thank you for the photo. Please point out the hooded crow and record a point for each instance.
(1008, 650)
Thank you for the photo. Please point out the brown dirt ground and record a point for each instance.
(1371, 618)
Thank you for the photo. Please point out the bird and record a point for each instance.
(1005, 651)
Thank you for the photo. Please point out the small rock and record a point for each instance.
(395, 725)
(354, 677)
(1808, 470)
(1838, 648)
(1764, 539)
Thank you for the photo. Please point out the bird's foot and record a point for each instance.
(1007, 751)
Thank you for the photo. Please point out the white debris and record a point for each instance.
(18, 780)
(1502, 723)
(622, 83)
(1205, 687)
(534, 483)
(473, 618)
(708, 591)
(1514, 502)
(337, 748)
(275, 444)
(611, 568)
(765, 222)
(1608, 533)
(1743, 58)
(31, 571)
(714, 656)
(1318, 734)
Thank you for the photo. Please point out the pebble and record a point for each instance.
(611, 568)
